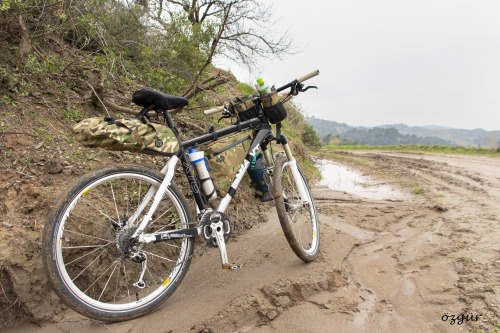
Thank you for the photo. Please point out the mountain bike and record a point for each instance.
(120, 239)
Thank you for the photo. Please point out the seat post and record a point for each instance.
(168, 118)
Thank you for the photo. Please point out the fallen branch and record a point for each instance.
(190, 124)
(16, 133)
(219, 80)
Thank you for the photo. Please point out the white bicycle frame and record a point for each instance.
(157, 193)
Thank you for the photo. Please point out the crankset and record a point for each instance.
(216, 229)
(211, 223)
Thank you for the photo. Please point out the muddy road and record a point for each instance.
(410, 262)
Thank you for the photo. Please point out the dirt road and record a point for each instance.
(407, 265)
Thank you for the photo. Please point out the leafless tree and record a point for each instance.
(247, 25)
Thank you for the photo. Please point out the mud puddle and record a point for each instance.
(344, 179)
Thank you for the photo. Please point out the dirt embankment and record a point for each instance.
(38, 159)
(410, 265)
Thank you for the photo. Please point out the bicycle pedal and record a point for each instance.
(232, 266)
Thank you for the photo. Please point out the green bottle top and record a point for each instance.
(261, 88)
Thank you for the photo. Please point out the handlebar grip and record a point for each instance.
(308, 76)
(214, 110)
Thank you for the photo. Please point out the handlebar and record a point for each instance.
(295, 84)
(214, 110)
(299, 80)
(308, 76)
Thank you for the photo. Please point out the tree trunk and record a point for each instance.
(25, 46)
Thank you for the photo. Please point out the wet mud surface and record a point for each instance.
(401, 264)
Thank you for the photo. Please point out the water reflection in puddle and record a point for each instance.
(340, 178)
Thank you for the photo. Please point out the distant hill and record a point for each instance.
(397, 134)
(379, 136)
(324, 127)
(463, 137)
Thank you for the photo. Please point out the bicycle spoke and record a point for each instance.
(170, 260)
(126, 195)
(86, 254)
(168, 210)
(165, 226)
(102, 213)
(152, 277)
(117, 284)
(73, 279)
(85, 219)
(79, 233)
(100, 199)
(139, 201)
(126, 281)
(83, 246)
(107, 282)
(114, 201)
(107, 269)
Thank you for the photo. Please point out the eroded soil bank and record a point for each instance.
(399, 265)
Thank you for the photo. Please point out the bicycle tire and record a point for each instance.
(299, 223)
(81, 248)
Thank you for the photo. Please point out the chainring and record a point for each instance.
(207, 230)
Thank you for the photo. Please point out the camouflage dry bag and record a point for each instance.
(224, 158)
(135, 135)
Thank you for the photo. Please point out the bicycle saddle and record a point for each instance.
(147, 97)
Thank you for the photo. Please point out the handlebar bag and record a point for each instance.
(224, 158)
(273, 108)
(134, 135)
(244, 107)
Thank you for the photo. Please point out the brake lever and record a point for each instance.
(302, 90)
(226, 114)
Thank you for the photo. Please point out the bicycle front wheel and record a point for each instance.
(298, 216)
(86, 238)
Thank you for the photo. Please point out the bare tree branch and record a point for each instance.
(209, 59)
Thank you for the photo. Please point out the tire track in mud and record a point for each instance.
(384, 265)
(470, 222)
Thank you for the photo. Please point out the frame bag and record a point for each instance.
(134, 135)
(224, 158)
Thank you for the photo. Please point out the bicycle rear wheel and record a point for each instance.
(298, 218)
(85, 238)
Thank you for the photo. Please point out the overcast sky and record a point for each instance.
(425, 62)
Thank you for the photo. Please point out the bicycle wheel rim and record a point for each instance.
(135, 303)
(302, 219)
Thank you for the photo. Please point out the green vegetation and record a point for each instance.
(246, 89)
(424, 148)
(72, 113)
(418, 190)
(66, 51)
(297, 129)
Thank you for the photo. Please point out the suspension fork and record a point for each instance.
(292, 163)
